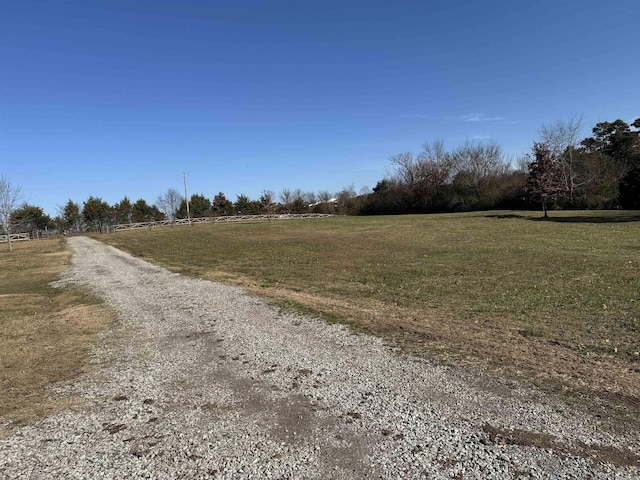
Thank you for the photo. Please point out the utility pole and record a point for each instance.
(186, 197)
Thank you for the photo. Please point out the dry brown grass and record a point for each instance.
(45, 333)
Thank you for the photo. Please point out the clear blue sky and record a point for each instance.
(121, 97)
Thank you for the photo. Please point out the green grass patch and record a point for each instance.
(533, 332)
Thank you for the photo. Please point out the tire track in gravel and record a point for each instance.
(200, 380)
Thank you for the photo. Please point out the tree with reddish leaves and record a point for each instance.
(546, 176)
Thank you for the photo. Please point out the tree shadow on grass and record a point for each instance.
(622, 217)
(590, 219)
(508, 215)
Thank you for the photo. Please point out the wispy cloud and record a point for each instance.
(413, 115)
(480, 117)
(481, 137)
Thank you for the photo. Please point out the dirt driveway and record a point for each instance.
(199, 380)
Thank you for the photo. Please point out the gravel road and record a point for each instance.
(199, 380)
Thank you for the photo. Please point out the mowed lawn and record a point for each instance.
(551, 300)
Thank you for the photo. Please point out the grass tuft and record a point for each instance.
(532, 332)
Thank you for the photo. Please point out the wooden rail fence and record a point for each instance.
(227, 219)
(15, 237)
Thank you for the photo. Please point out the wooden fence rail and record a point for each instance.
(229, 219)
(15, 237)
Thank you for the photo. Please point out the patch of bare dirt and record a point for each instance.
(594, 453)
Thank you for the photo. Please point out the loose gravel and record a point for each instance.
(199, 380)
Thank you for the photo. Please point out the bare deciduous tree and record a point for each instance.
(324, 203)
(427, 173)
(286, 197)
(169, 203)
(310, 197)
(481, 161)
(324, 196)
(563, 139)
(406, 166)
(344, 199)
(522, 163)
(9, 200)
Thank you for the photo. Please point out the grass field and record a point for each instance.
(557, 299)
(45, 333)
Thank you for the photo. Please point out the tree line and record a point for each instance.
(95, 214)
(563, 170)
(601, 171)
